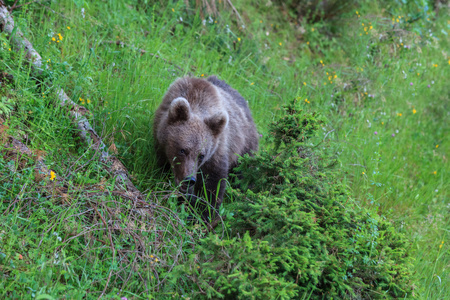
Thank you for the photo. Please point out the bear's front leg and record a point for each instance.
(214, 182)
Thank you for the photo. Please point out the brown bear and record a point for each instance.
(200, 130)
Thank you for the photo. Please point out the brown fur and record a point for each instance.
(203, 117)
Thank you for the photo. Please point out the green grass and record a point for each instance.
(400, 170)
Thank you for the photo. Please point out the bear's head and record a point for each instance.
(189, 140)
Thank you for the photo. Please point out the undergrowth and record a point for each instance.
(347, 196)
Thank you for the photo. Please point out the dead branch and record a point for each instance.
(86, 131)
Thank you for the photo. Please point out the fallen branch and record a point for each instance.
(86, 132)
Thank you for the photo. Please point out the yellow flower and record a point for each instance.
(68, 27)
(435, 172)
(437, 146)
(399, 114)
(173, 10)
(151, 256)
(203, 75)
(53, 39)
(307, 43)
(9, 49)
(414, 111)
(382, 123)
(252, 83)
(52, 175)
(260, 21)
(363, 173)
(280, 43)
(397, 20)
(239, 39)
(88, 101)
(418, 74)
(312, 29)
(371, 27)
(156, 259)
(304, 83)
(335, 76)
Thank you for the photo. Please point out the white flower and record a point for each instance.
(82, 12)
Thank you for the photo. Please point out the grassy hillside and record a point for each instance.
(377, 73)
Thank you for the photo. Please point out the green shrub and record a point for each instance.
(296, 232)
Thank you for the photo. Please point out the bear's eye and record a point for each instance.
(201, 157)
(182, 151)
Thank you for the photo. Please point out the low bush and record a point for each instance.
(296, 231)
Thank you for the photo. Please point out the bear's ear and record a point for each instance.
(179, 110)
(217, 123)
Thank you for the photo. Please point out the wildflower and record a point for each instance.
(280, 43)
(173, 10)
(68, 27)
(203, 75)
(435, 172)
(312, 29)
(307, 43)
(252, 83)
(52, 175)
(304, 83)
(375, 133)
(53, 39)
(435, 65)
(414, 111)
(239, 39)
(437, 146)
(88, 101)
(399, 114)
(363, 173)
(382, 123)
(9, 49)
(411, 83)
(393, 135)
(428, 86)
(151, 256)
(60, 36)
(156, 259)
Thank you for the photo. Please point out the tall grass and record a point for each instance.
(379, 76)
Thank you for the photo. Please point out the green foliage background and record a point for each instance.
(347, 197)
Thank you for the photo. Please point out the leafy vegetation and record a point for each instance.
(301, 233)
(361, 184)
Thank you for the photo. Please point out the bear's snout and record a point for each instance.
(187, 185)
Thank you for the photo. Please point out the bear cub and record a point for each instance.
(200, 129)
